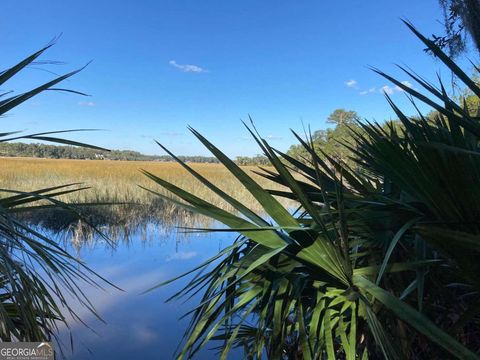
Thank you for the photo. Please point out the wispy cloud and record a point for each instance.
(187, 67)
(407, 84)
(389, 90)
(351, 83)
(87, 103)
(274, 137)
(369, 91)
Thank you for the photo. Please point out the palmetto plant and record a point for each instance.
(378, 261)
(38, 278)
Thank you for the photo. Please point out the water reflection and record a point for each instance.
(144, 254)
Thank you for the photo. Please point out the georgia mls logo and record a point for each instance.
(45, 348)
(26, 351)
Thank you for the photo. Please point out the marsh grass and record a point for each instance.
(118, 182)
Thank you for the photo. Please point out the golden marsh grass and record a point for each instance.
(118, 181)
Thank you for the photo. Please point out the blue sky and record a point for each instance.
(159, 66)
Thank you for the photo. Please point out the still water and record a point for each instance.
(140, 326)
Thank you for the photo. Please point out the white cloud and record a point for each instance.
(391, 90)
(86, 103)
(388, 90)
(369, 91)
(406, 83)
(187, 67)
(274, 137)
(351, 83)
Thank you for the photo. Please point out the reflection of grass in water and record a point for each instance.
(148, 229)
(117, 223)
(117, 181)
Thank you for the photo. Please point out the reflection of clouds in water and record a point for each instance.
(136, 284)
(111, 272)
(139, 326)
(144, 334)
(103, 300)
(182, 255)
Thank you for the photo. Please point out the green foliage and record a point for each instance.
(343, 117)
(331, 142)
(378, 260)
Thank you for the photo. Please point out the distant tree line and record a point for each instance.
(253, 160)
(38, 150)
(71, 152)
